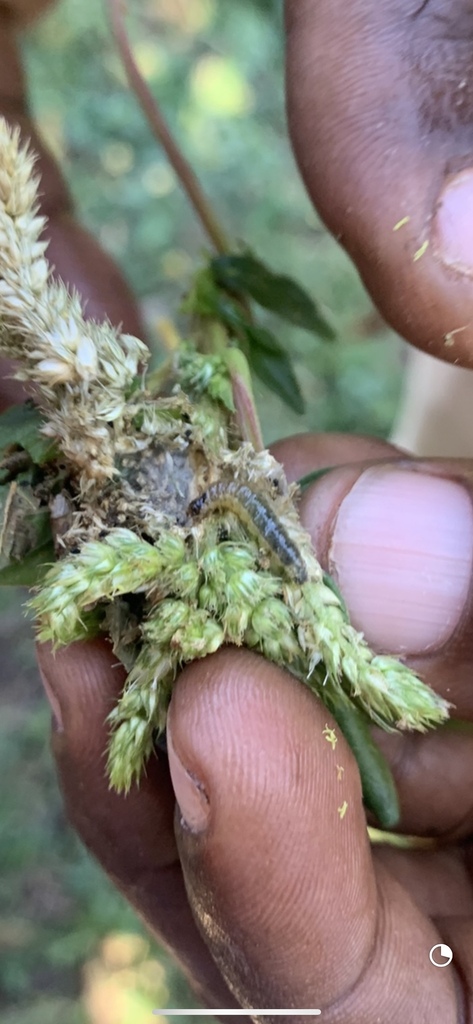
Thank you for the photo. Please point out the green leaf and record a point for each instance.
(273, 366)
(26, 542)
(379, 789)
(202, 298)
(261, 338)
(330, 583)
(230, 313)
(276, 292)
(265, 354)
(20, 425)
(311, 478)
(277, 373)
(31, 569)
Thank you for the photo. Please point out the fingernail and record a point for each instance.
(53, 701)
(401, 552)
(190, 794)
(452, 229)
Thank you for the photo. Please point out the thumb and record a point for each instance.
(275, 852)
(380, 108)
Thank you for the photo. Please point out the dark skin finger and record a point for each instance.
(433, 772)
(276, 713)
(132, 837)
(384, 928)
(296, 910)
(380, 102)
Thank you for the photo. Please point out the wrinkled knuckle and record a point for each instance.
(440, 63)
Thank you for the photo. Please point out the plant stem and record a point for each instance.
(246, 414)
(379, 837)
(245, 406)
(161, 130)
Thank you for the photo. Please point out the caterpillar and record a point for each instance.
(257, 514)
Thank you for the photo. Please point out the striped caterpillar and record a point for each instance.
(257, 514)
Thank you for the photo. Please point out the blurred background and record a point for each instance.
(70, 949)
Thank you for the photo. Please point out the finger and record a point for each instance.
(397, 537)
(434, 776)
(380, 101)
(73, 252)
(304, 453)
(132, 837)
(281, 880)
(25, 11)
(438, 881)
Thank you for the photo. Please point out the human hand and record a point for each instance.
(295, 908)
(380, 100)
(287, 902)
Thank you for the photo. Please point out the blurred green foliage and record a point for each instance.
(217, 68)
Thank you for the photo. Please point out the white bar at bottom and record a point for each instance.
(238, 1013)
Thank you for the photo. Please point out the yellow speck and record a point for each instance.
(401, 223)
(330, 736)
(449, 339)
(343, 810)
(340, 771)
(420, 252)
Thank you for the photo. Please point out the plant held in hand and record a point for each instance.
(172, 532)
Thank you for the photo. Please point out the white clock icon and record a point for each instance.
(441, 955)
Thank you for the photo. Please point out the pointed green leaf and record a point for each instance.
(31, 569)
(379, 788)
(276, 292)
(263, 340)
(264, 352)
(330, 583)
(273, 366)
(20, 425)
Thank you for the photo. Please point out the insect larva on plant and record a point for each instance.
(256, 513)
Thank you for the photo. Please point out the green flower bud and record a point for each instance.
(186, 580)
(167, 617)
(235, 621)
(62, 625)
(210, 599)
(318, 596)
(283, 650)
(130, 747)
(271, 618)
(172, 550)
(201, 637)
(244, 586)
(237, 557)
(212, 564)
